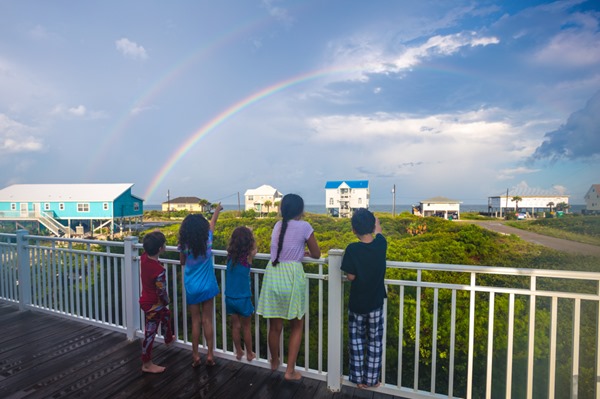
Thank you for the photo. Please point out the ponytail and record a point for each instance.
(284, 224)
(292, 206)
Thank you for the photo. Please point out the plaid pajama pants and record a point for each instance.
(366, 335)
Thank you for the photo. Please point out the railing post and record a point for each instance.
(334, 321)
(131, 287)
(24, 266)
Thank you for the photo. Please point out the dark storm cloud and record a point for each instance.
(579, 138)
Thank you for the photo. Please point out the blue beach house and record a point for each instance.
(71, 209)
(343, 197)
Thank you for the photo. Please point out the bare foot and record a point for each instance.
(250, 356)
(239, 355)
(365, 386)
(195, 361)
(210, 362)
(152, 368)
(293, 376)
(274, 364)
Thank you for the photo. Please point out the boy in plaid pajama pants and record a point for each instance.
(364, 263)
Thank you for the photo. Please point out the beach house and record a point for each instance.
(532, 200)
(592, 200)
(263, 199)
(439, 206)
(343, 197)
(71, 209)
(191, 204)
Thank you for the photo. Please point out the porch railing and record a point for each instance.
(451, 330)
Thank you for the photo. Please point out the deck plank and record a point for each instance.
(47, 356)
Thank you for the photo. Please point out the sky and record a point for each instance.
(460, 99)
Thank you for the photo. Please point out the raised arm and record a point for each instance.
(215, 216)
(377, 227)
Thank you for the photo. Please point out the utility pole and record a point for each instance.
(169, 204)
(394, 200)
(239, 208)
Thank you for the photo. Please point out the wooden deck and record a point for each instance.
(42, 356)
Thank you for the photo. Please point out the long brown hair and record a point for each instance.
(240, 245)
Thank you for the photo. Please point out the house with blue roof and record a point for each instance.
(343, 197)
(62, 207)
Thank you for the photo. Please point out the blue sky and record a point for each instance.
(461, 99)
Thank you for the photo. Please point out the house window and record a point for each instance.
(105, 206)
(136, 206)
(46, 206)
(360, 201)
(13, 207)
(83, 207)
(61, 207)
(250, 198)
(330, 201)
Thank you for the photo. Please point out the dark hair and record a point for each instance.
(292, 206)
(153, 242)
(363, 221)
(193, 234)
(240, 245)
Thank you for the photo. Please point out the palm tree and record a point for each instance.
(276, 204)
(516, 199)
(562, 206)
(268, 204)
(550, 205)
(204, 203)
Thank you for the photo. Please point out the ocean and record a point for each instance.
(320, 209)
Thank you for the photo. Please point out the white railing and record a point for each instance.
(451, 330)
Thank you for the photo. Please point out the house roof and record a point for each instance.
(531, 192)
(183, 200)
(349, 183)
(63, 192)
(440, 200)
(265, 189)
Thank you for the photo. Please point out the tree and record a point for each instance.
(276, 204)
(204, 203)
(268, 204)
(516, 199)
(550, 205)
(562, 206)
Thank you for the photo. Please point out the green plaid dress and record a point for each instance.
(283, 291)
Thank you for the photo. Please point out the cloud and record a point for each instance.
(279, 13)
(511, 173)
(368, 56)
(577, 139)
(131, 49)
(16, 138)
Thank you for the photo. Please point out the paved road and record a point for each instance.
(555, 243)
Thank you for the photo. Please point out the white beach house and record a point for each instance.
(343, 197)
(263, 199)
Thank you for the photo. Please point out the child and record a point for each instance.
(154, 298)
(284, 284)
(195, 246)
(238, 296)
(364, 263)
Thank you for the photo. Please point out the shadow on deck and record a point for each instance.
(42, 356)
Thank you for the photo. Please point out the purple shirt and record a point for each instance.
(294, 242)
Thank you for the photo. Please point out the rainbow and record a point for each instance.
(228, 113)
(145, 98)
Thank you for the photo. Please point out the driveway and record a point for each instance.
(551, 242)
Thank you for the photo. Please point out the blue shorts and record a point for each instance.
(239, 306)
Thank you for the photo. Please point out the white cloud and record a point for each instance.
(369, 56)
(511, 173)
(15, 137)
(279, 13)
(77, 111)
(131, 49)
